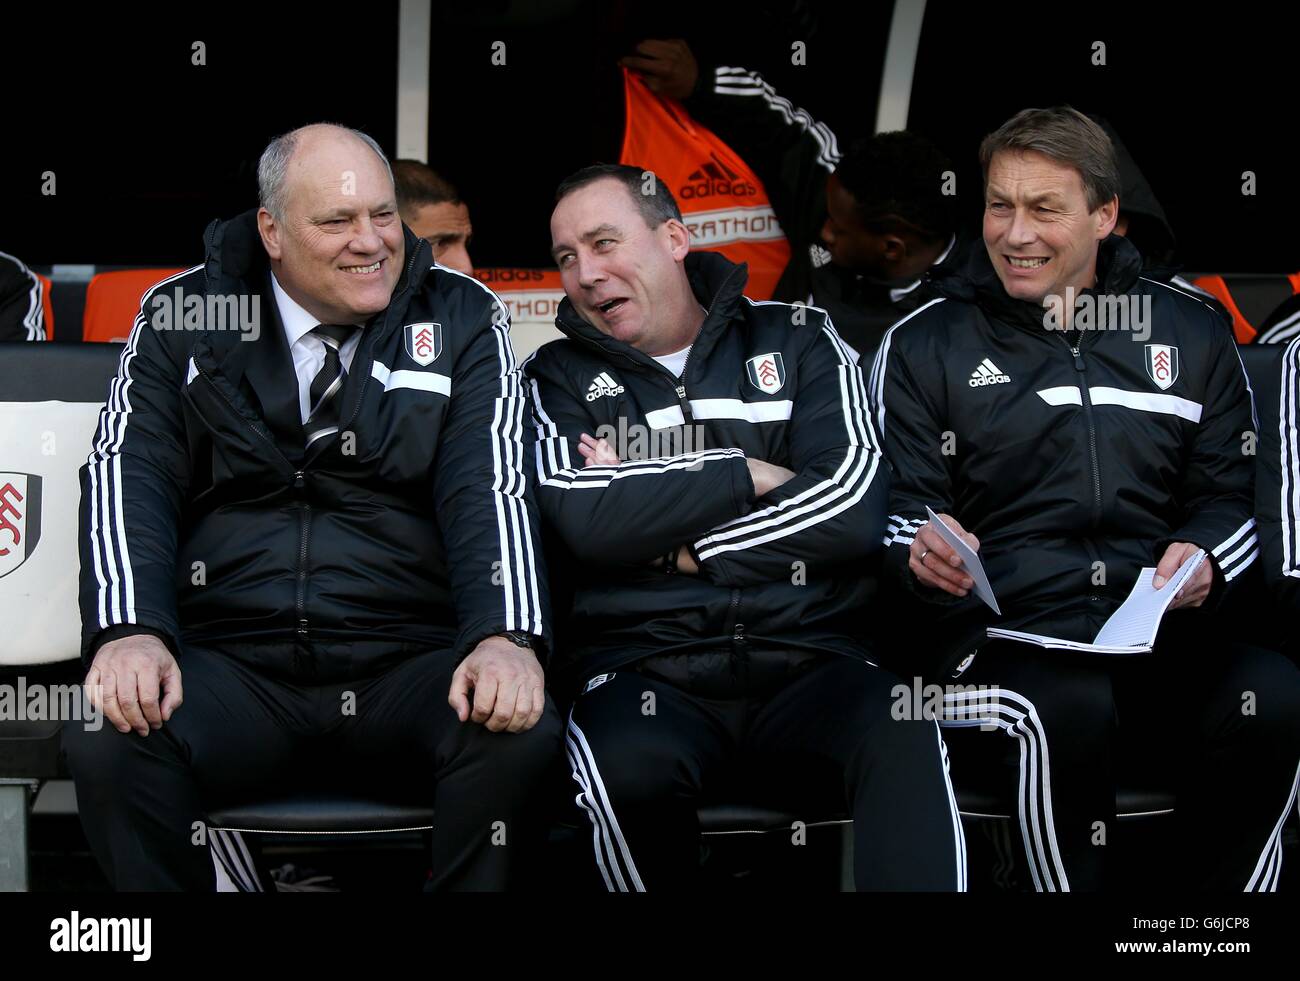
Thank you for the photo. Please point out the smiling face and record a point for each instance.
(1040, 235)
(338, 249)
(622, 276)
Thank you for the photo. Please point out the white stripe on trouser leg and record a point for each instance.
(1035, 776)
(228, 847)
(959, 836)
(1269, 867)
(598, 799)
(1032, 714)
(224, 881)
(599, 833)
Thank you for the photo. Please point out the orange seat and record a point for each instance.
(46, 308)
(113, 300)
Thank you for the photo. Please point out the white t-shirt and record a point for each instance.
(675, 362)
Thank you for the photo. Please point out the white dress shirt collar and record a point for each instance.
(296, 320)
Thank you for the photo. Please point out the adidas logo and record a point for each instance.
(715, 177)
(988, 374)
(602, 384)
(714, 170)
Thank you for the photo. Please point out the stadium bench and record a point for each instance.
(52, 397)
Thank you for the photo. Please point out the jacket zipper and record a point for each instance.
(738, 662)
(679, 385)
(1086, 399)
(304, 528)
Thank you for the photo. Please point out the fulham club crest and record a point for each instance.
(1162, 364)
(424, 343)
(766, 373)
(20, 519)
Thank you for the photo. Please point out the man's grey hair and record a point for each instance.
(273, 166)
(1067, 136)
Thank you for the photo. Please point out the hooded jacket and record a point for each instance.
(206, 522)
(1075, 457)
(782, 578)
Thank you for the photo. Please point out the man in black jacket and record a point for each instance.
(710, 463)
(1074, 422)
(865, 226)
(308, 497)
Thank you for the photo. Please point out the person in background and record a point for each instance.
(432, 208)
(864, 226)
(22, 311)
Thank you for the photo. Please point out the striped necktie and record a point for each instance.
(326, 387)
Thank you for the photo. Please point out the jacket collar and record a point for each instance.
(262, 384)
(718, 284)
(972, 279)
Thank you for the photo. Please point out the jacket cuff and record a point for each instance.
(1217, 583)
(120, 630)
(743, 492)
(471, 638)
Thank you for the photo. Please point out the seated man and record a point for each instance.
(319, 522)
(1072, 442)
(432, 208)
(710, 463)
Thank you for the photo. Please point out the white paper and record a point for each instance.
(1132, 628)
(969, 558)
(1136, 621)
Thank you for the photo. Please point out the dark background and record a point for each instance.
(148, 148)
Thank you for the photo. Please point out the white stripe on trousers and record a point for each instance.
(594, 799)
(1269, 867)
(1027, 728)
(958, 833)
(232, 860)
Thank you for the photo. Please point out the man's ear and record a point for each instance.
(270, 232)
(1106, 216)
(679, 237)
(892, 248)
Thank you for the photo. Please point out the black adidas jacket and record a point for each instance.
(414, 528)
(780, 577)
(793, 155)
(1061, 452)
(22, 315)
(1277, 482)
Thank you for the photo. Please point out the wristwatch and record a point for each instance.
(519, 638)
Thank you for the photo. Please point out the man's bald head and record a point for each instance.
(274, 167)
(329, 222)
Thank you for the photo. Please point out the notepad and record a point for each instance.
(969, 559)
(1132, 628)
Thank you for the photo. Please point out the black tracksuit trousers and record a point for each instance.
(644, 754)
(1213, 720)
(240, 735)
